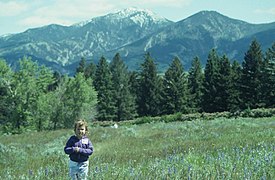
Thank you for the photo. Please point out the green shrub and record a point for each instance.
(255, 113)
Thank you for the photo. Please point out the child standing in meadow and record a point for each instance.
(79, 148)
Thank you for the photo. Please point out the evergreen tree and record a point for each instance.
(209, 98)
(81, 66)
(224, 84)
(103, 84)
(57, 80)
(234, 100)
(175, 89)
(150, 87)
(268, 78)
(90, 71)
(251, 76)
(134, 84)
(87, 70)
(195, 85)
(124, 100)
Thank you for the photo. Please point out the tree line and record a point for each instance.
(34, 97)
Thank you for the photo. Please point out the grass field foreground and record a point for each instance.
(241, 148)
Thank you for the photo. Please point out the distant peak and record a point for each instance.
(138, 15)
(134, 10)
(208, 13)
(201, 16)
(211, 14)
(131, 10)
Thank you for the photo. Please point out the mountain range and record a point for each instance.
(132, 32)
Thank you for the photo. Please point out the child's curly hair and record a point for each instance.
(81, 122)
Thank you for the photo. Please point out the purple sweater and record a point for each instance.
(85, 148)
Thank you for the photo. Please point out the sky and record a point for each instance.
(19, 15)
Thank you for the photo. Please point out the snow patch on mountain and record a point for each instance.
(137, 15)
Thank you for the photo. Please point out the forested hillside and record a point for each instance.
(36, 98)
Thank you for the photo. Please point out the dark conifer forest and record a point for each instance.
(36, 98)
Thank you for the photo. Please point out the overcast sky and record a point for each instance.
(20, 15)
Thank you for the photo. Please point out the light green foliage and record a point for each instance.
(80, 99)
(222, 148)
(5, 91)
(32, 100)
(4, 69)
(27, 87)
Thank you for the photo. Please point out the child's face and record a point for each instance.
(80, 131)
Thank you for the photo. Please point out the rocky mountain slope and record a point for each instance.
(132, 32)
(197, 35)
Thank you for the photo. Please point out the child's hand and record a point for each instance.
(76, 149)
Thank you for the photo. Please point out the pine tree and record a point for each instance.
(90, 71)
(209, 98)
(234, 100)
(103, 84)
(149, 97)
(195, 85)
(224, 84)
(268, 78)
(87, 70)
(124, 100)
(81, 66)
(57, 79)
(251, 76)
(175, 89)
(134, 84)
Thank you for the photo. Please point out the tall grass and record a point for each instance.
(222, 148)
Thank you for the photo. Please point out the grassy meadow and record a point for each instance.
(222, 148)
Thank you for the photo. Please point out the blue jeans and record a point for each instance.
(78, 170)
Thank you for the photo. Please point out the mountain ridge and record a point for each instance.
(132, 32)
(186, 38)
